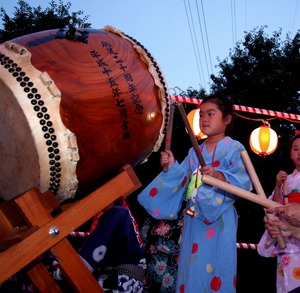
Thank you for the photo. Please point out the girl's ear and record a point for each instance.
(227, 120)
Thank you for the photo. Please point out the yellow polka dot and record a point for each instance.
(171, 216)
(175, 189)
(208, 268)
(219, 200)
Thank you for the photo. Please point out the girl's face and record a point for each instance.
(212, 121)
(295, 153)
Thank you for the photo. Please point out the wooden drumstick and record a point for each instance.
(285, 201)
(263, 201)
(169, 135)
(191, 134)
(260, 192)
(285, 193)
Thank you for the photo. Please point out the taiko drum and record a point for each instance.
(76, 105)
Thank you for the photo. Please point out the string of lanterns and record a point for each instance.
(263, 140)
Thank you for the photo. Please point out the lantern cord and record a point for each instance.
(256, 119)
(268, 119)
(292, 121)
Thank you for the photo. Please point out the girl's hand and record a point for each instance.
(209, 170)
(167, 157)
(289, 212)
(284, 227)
(280, 178)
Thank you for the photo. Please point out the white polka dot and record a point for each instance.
(99, 253)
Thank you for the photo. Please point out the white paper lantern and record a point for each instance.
(263, 140)
(194, 120)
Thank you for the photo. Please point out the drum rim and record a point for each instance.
(58, 160)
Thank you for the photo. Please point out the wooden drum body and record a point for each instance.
(76, 105)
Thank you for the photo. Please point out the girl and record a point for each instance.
(288, 265)
(208, 258)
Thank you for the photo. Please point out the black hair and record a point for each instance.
(225, 105)
(292, 141)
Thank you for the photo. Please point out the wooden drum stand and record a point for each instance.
(27, 230)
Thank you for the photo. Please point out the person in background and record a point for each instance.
(288, 264)
(208, 256)
(161, 246)
(113, 252)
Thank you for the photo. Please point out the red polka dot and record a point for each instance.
(216, 164)
(210, 233)
(216, 283)
(181, 288)
(234, 281)
(194, 248)
(156, 212)
(153, 191)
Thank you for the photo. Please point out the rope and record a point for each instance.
(246, 246)
(238, 245)
(79, 234)
(241, 108)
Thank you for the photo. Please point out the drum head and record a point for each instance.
(19, 166)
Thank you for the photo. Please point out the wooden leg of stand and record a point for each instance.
(42, 279)
(36, 213)
(73, 268)
(35, 210)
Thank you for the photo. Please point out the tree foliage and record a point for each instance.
(261, 70)
(27, 19)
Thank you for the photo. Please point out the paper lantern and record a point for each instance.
(194, 120)
(263, 140)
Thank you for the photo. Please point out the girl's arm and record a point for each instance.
(280, 177)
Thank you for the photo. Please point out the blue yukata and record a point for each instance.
(208, 257)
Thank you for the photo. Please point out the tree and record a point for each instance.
(29, 19)
(261, 69)
(263, 72)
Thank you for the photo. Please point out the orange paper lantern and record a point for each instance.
(263, 140)
(194, 120)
